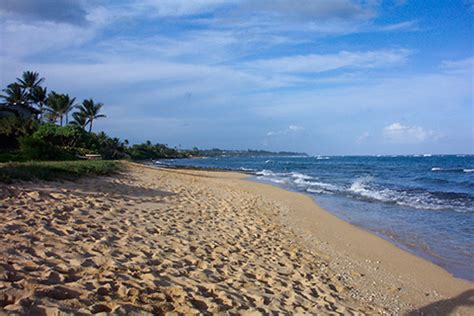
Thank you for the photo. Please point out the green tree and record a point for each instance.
(91, 110)
(15, 94)
(80, 119)
(29, 80)
(60, 105)
(39, 95)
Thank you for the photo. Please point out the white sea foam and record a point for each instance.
(266, 173)
(275, 180)
(245, 169)
(302, 176)
(466, 170)
(361, 187)
(318, 191)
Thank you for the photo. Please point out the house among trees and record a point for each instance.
(22, 110)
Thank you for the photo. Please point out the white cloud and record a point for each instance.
(291, 129)
(316, 9)
(402, 26)
(181, 7)
(295, 128)
(362, 138)
(21, 39)
(398, 133)
(321, 63)
(459, 66)
(64, 11)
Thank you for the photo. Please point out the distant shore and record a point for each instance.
(156, 240)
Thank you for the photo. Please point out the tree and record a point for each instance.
(60, 105)
(91, 110)
(80, 119)
(39, 95)
(29, 80)
(68, 104)
(15, 95)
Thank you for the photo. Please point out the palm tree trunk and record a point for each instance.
(90, 126)
(61, 120)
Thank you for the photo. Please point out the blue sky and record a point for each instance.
(320, 76)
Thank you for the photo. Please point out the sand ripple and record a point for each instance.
(156, 242)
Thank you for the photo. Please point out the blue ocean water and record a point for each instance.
(423, 204)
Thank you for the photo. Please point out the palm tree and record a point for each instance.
(91, 110)
(15, 95)
(60, 105)
(68, 105)
(29, 80)
(39, 96)
(80, 119)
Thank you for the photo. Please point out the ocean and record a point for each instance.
(423, 204)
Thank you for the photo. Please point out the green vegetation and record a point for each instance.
(39, 126)
(54, 170)
(35, 126)
(149, 151)
(215, 152)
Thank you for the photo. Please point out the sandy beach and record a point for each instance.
(168, 240)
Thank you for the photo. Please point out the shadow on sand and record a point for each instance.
(122, 189)
(447, 307)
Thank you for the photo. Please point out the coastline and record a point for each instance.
(366, 258)
(284, 240)
(385, 208)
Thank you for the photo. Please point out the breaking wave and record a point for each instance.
(365, 188)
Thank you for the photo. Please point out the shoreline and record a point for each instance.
(157, 240)
(399, 244)
(384, 257)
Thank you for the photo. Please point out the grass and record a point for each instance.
(56, 170)
(7, 156)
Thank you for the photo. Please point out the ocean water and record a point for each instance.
(423, 204)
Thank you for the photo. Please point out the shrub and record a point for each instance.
(12, 128)
(149, 151)
(34, 148)
(109, 148)
(56, 170)
(64, 136)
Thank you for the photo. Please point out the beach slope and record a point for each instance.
(156, 241)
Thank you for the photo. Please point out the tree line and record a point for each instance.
(39, 125)
(28, 95)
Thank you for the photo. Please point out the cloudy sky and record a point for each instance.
(320, 76)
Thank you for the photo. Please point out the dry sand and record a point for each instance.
(157, 241)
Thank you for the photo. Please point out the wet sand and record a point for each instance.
(157, 241)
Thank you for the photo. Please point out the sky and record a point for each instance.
(330, 77)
